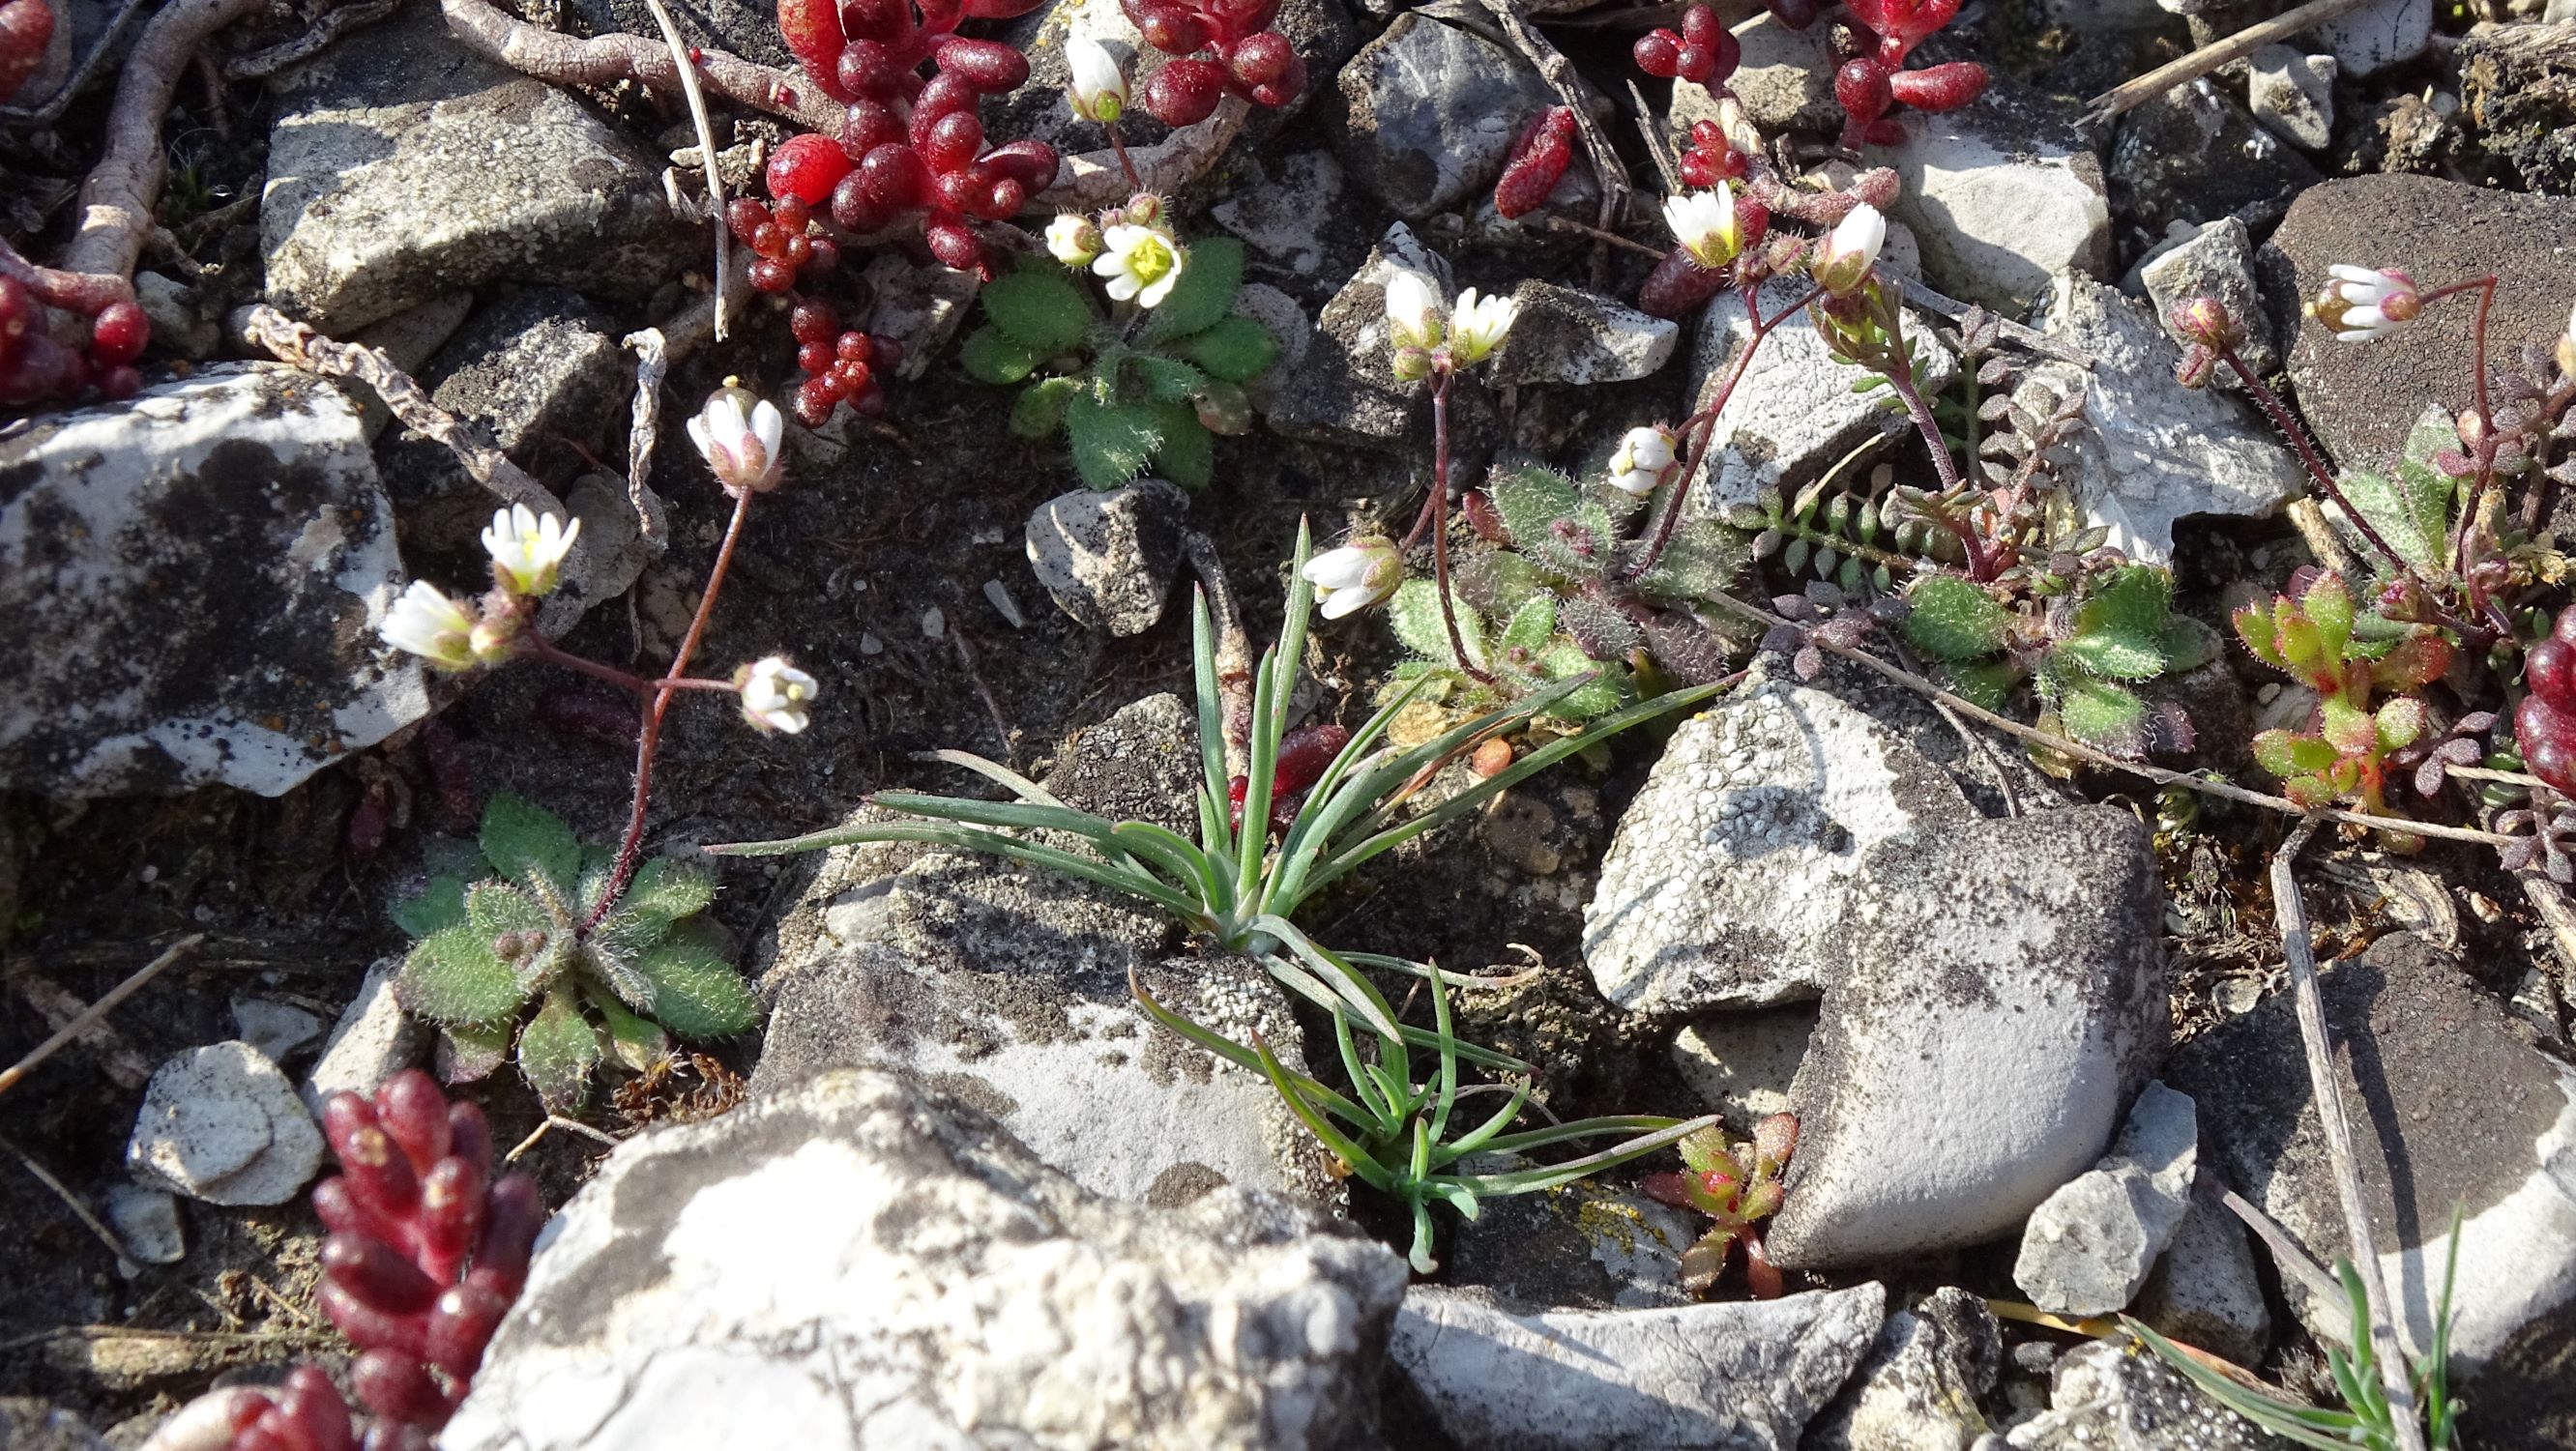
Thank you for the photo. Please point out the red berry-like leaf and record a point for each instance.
(2549, 670)
(1184, 92)
(1171, 29)
(1658, 53)
(1886, 131)
(812, 320)
(772, 277)
(805, 168)
(1699, 25)
(1679, 284)
(1001, 9)
(1861, 87)
(823, 253)
(118, 334)
(852, 207)
(1940, 88)
(950, 143)
(799, 247)
(943, 96)
(1795, 14)
(1261, 58)
(744, 217)
(870, 68)
(1285, 88)
(812, 29)
(814, 357)
(1030, 163)
(988, 65)
(814, 402)
(26, 29)
(893, 178)
(1539, 159)
(954, 244)
(869, 124)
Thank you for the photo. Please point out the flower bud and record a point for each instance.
(1644, 456)
(2359, 305)
(1413, 320)
(2205, 321)
(1144, 209)
(1073, 239)
(2196, 366)
(1357, 575)
(1412, 364)
(1099, 88)
(1844, 256)
(495, 637)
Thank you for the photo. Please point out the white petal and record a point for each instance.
(2346, 272)
(698, 435)
(1337, 603)
(770, 426)
(1343, 568)
(1153, 296)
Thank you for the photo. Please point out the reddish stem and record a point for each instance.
(649, 740)
(1118, 144)
(1440, 526)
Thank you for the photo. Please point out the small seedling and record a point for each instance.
(2084, 652)
(2348, 657)
(1738, 1186)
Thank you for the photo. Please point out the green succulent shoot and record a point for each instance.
(510, 925)
(1150, 394)
(2316, 635)
(2083, 653)
(1738, 1185)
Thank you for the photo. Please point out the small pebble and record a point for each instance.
(2484, 908)
(933, 623)
(1003, 602)
(991, 534)
(869, 644)
(147, 1224)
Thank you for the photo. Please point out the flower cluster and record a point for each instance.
(1131, 247)
(1873, 78)
(527, 554)
(1645, 456)
(1253, 60)
(1433, 341)
(2359, 305)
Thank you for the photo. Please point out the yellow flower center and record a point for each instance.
(1151, 259)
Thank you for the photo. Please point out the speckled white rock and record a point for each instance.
(1919, 1387)
(1430, 113)
(2216, 260)
(2088, 1247)
(147, 1224)
(2292, 94)
(374, 1040)
(191, 580)
(2110, 1396)
(220, 1123)
(1566, 336)
(1107, 559)
(2380, 34)
(2003, 196)
(1741, 1064)
(2206, 1290)
(1794, 415)
(1741, 1375)
(1733, 876)
(863, 1265)
(2154, 451)
(275, 1029)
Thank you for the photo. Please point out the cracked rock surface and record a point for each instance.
(867, 1264)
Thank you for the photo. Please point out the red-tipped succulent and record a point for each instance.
(1738, 1186)
(1252, 59)
(37, 367)
(1872, 78)
(1702, 50)
(840, 363)
(1711, 160)
(2544, 725)
(1538, 161)
(26, 28)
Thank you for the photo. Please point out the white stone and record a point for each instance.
(2207, 1290)
(1741, 1064)
(373, 1040)
(2089, 1246)
(2380, 34)
(221, 1124)
(1743, 1375)
(862, 1265)
(1579, 338)
(2292, 94)
(1794, 414)
(147, 1224)
(1919, 1387)
(1284, 218)
(193, 578)
(2002, 198)
(1107, 559)
(2152, 451)
(275, 1029)
(1431, 112)
(2216, 260)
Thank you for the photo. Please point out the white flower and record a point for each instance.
(740, 443)
(432, 626)
(1704, 223)
(1639, 464)
(2361, 306)
(1846, 254)
(528, 551)
(1099, 89)
(1357, 575)
(1073, 239)
(1412, 310)
(1140, 263)
(1477, 325)
(774, 695)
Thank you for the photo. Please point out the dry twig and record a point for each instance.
(97, 1010)
(2131, 94)
(706, 145)
(1233, 647)
(643, 431)
(71, 1201)
(117, 198)
(336, 23)
(2327, 1088)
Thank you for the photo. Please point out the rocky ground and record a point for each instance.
(955, 1191)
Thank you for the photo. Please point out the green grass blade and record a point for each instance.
(2279, 1418)
(1366, 1086)
(1369, 1170)
(1485, 1133)
(1234, 1052)
(992, 843)
(1530, 1181)
(1480, 1056)
(1349, 982)
(1215, 837)
(1261, 772)
(1586, 1128)
(1184, 862)
(1448, 1050)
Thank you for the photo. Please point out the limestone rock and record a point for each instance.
(274, 1028)
(1345, 390)
(221, 1124)
(1919, 1387)
(1287, 216)
(2206, 1291)
(860, 1263)
(1430, 112)
(2195, 154)
(2215, 260)
(1586, 1246)
(2089, 1246)
(2003, 195)
(2380, 34)
(2107, 1396)
(1108, 559)
(1741, 1064)
(194, 577)
(2293, 94)
(147, 1224)
(373, 1040)
(1785, 81)
(1745, 1375)
(1567, 336)
(403, 166)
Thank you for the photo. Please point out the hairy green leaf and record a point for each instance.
(1530, 499)
(1039, 410)
(637, 1041)
(1235, 348)
(2104, 716)
(1187, 454)
(1414, 614)
(438, 905)
(2412, 513)
(1111, 443)
(1981, 683)
(1210, 278)
(1166, 380)
(668, 889)
(523, 841)
(1954, 620)
(990, 355)
(1702, 559)
(497, 907)
(1530, 625)
(468, 1052)
(2288, 753)
(557, 1051)
(452, 976)
(1038, 306)
(696, 992)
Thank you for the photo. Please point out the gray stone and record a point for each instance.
(403, 166)
(1741, 1064)
(2518, 89)
(2088, 1246)
(373, 1040)
(1286, 217)
(179, 321)
(2108, 1396)
(1009, 988)
(1794, 415)
(2195, 154)
(33, 1425)
(2450, 1108)
(2293, 94)
(2206, 1291)
(1566, 336)
(275, 1029)
(2003, 997)
(1918, 1390)
(221, 1124)
(2380, 34)
(1785, 81)
(862, 1264)
(1345, 391)
(1745, 1375)
(1430, 112)
(2152, 451)
(919, 307)
(2003, 195)
(1108, 559)
(194, 577)
(2216, 260)
(1735, 876)
(147, 1224)
(2362, 398)
(1586, 1246)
